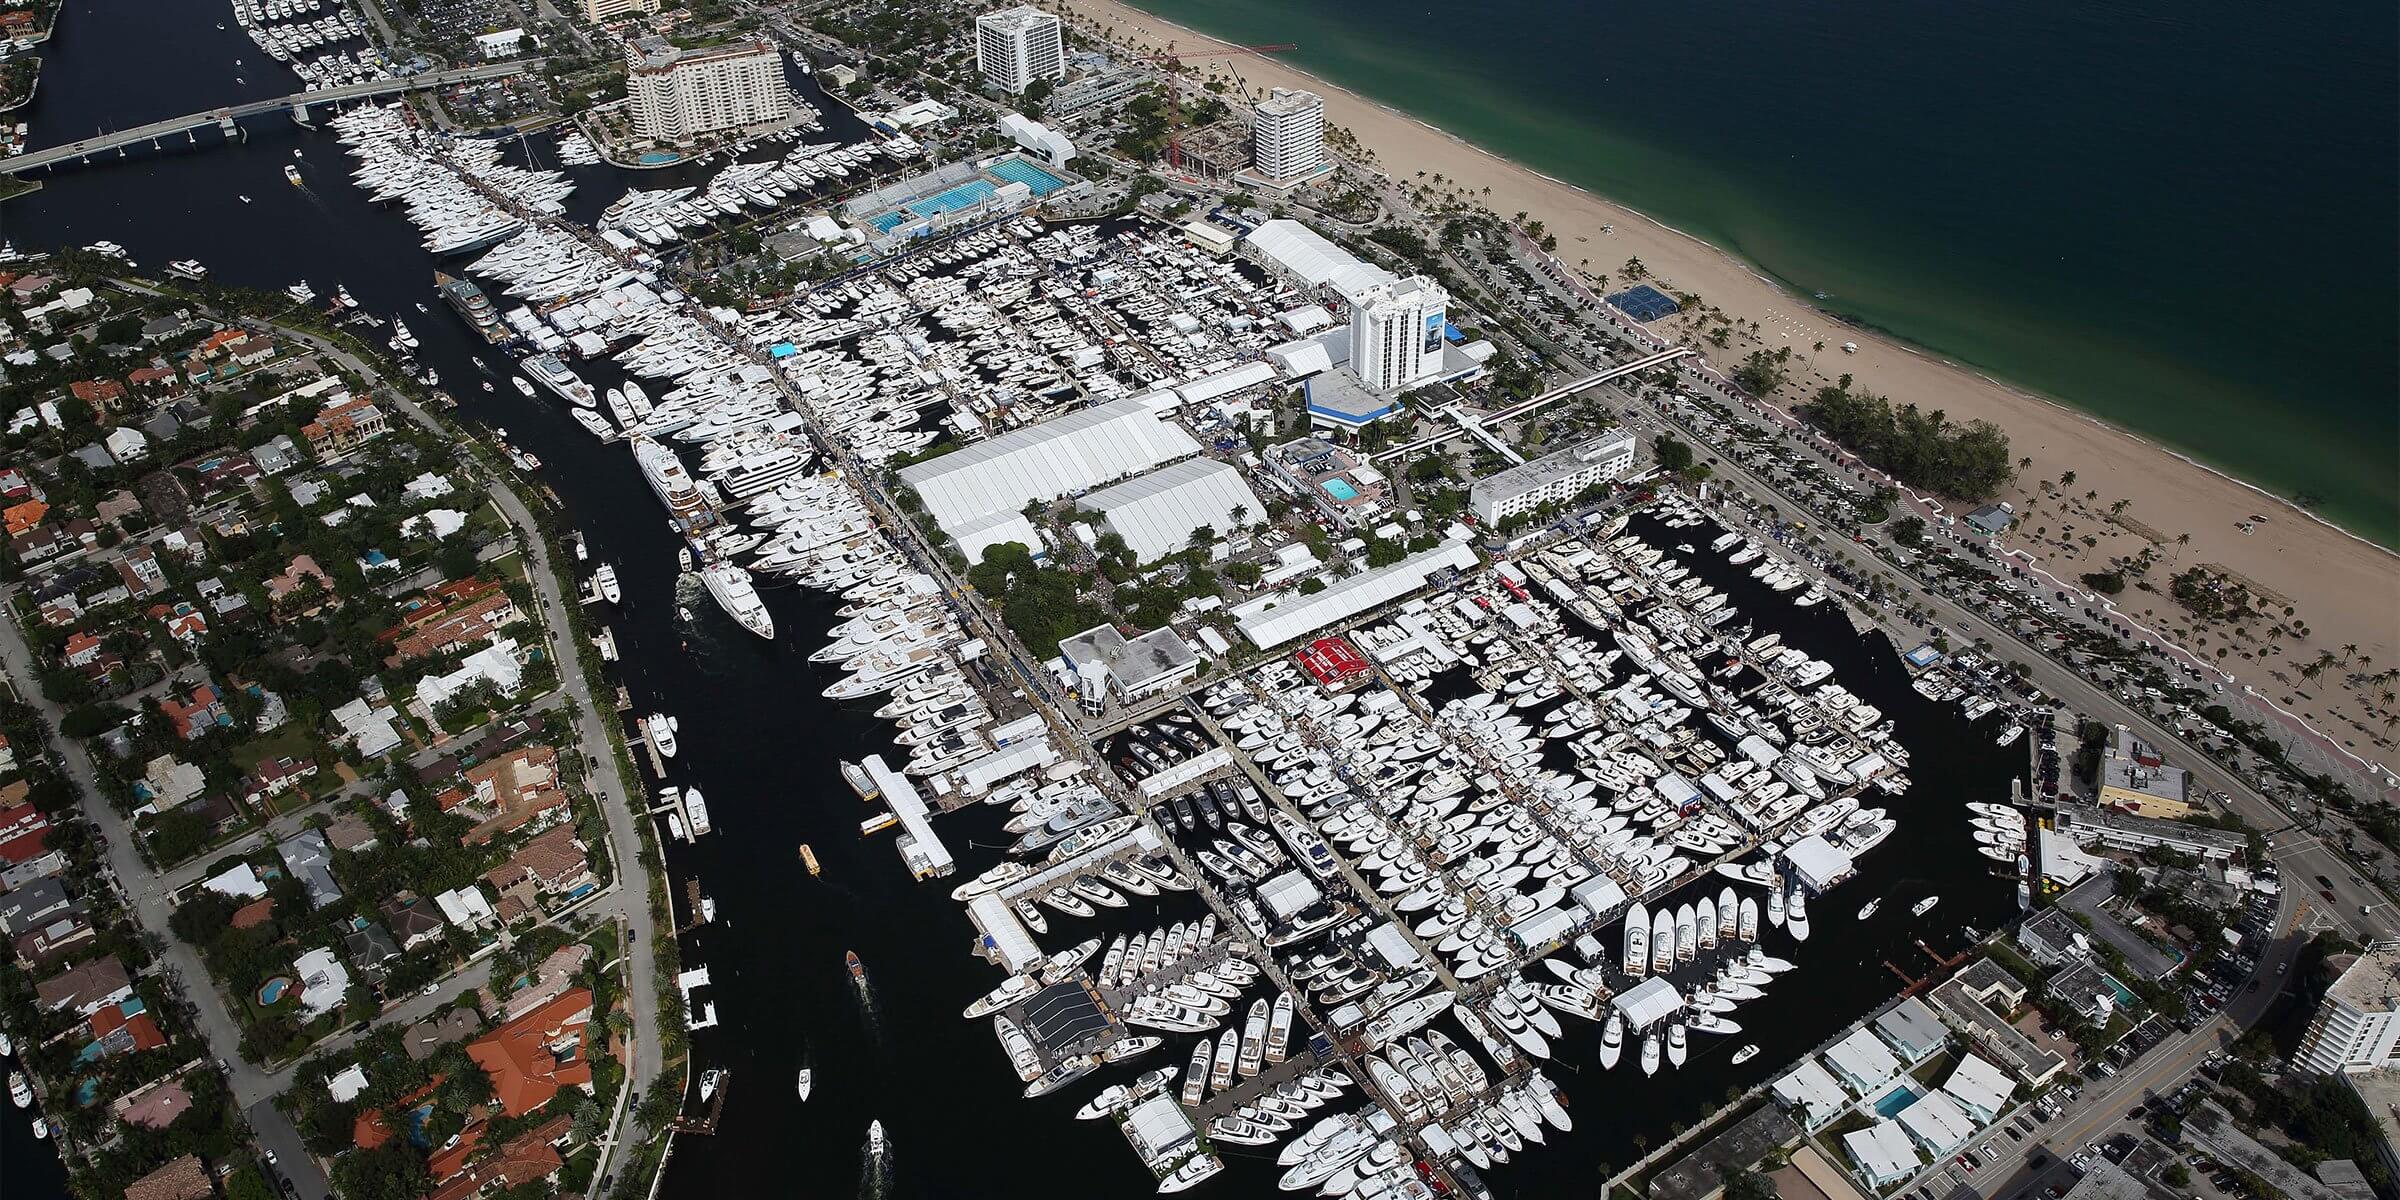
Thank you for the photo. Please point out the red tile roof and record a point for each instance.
(532, 1057)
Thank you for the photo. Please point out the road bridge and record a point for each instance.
(1528, 406)
(298, 104)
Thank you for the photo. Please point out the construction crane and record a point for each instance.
(1172, 60)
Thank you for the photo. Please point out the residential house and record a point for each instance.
(138, 567)
(195, 716)
(555, 861)
(33, 905)
(310, 859)
(85, 989)
(124, 1028)
(517, 789)
(343, 426)
(528, 1158)
(368, 727)
(371, 949)
(466, 907)
(21, 517)
(323, 982)
(104, 396)
(419, 1041)
(43, 947)
(414, 922)
(531, 1058)
(183, 1179)
(126, 444)
(154, 1107)
(350, 832)
(184, 623)
(82, 650)
(25, 843)
(303, 589)
(495, 666)
(451, 617)
(276, 455)
(154, 381)
(274, 777)
(168, 782)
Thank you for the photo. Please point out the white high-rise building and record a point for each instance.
(1015, 46)
(677, 95)
(2357, 1028)
(1396, 332)
(597, 11)
(1287, 135)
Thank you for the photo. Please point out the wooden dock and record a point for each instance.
(1245, 1090)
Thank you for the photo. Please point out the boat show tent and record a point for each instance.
(1304, 255)
(1882, 1151)
(1061, 457)
(1647, 1003)
(1288, 894)
(1816, 864)
(1157, 512)
(1016, 948)
(1065, 1017)
(1979, 1087)
(1937, 1123)
(1274, 620)
(1811, 1091)
(1158, 1127)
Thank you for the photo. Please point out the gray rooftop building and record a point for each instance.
(1553, 477)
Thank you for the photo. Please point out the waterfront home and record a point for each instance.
(85, 989)
(532, 1058)
(344, 426)
(450, 617)
(183, 1179)
(123, 1028)
(154, 1107)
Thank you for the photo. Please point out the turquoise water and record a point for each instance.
(659, 158)
(1340, 490)
(1035, 179)
(2175, 215)
(1895, 1100)
(272, 991)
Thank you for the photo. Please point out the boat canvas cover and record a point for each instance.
(1156, 513)
(1274, 620)
(1759, 750)
(1543, 928)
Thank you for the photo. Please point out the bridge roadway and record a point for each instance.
(84, 148)
(1532, 404)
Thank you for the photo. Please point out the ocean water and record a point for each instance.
(2174, 214)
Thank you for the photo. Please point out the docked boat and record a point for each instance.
(20, 1093)
(709, 1081)
(605, 580)
(739, 598)
(661, 729)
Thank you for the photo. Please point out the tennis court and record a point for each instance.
(1644, 303)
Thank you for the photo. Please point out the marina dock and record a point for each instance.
(920, 847)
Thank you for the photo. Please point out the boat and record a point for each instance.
(858, 970)
(1612, 1040)
(606, 580)
(8, 1045)
(1795, 914)
(473, 305)
(292, 173)
(709, 1081)
(875, 1138)
(1649, 1054)
(1869, 910)
(808, 1081)
(739, 598)
(20, 1093)
(661, 729)
(808, 858)
(1925, 905)
(1745, 1054)
(1194, 1171)
(41, 1128)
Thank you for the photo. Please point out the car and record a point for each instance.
(2137, 1110)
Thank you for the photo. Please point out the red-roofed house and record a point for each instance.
(104, 395)
(340, 427)
(528, 1158)
(22, 517)
(532, 1057)
(184, 623)
(155, 380)
(116, 1033)
(194, 718)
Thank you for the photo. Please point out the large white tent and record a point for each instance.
(1157, 512)
(1060, 457)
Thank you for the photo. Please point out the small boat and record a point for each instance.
(858, 970)
(1745, 1054)
(605, 579)
(292, 173)
(8, 1046)
(20, 1093)
(524, 387)
(875, 1138)
(1869, 910)
(662, 733)
(41, 1129)
(808, 1081)
(709, 1081)
(1925, 905)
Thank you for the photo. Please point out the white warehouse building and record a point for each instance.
(1156, 513)
(983, 489)
(1561, 476)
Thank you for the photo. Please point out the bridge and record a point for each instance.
(297, 104)
(1481, 426)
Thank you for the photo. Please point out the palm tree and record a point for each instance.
(2066, 479)
(1240, 515)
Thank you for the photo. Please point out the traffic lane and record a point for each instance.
(293, 1163)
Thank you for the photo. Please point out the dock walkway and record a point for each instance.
(1245, 1090)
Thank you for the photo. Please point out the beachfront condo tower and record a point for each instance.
(677, 95)
(1287, 136)
(599, 11)
(1015, 46)
(1396, 328)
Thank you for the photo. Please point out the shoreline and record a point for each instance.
(1784, 291)
(2338, 580)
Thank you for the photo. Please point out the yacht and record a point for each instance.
(1745, 1054)
(1869, 910)
(808, 1081)
(20, 1093)
(739, 598)
(1925, 905)
(875, 1138)
(605, 579)
(661, 729)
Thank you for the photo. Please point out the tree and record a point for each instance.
(1749, 1185)
(1909, 531)
(1673, 456)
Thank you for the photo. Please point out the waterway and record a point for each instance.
(2174, 214)
(760, 742)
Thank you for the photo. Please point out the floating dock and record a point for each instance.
(920, 847)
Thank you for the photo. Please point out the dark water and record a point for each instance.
(2175, 214)
(763, 745)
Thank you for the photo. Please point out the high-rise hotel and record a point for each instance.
(1287, 135)
(1015, 46)
(677, 95)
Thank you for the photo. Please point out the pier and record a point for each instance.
(1301, 1062)
(298, 104)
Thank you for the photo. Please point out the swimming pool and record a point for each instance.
(272, 990)
(658, 157)
(949, 200)
(1340, 489)
(1035, 179)
(1895, 1100)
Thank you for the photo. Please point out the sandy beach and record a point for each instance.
(2347, 590)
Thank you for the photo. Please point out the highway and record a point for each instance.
(101, 143)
